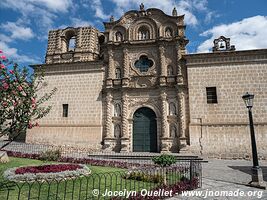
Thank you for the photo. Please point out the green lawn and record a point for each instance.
(102, 178)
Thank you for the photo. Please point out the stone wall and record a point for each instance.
(78, 85)
(221, 130)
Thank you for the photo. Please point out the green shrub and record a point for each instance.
(164, 160)
(145, 177)
(50, 155)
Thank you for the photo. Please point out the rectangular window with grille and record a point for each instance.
(211, 95)
(65, 110)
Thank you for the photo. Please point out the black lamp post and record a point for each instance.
(257, 177)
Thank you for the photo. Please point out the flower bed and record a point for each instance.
(47, 168)
(89, 161)
(46, 172)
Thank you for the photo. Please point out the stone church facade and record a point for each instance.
(133, 88)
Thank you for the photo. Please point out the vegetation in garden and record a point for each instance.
(144, 176)
(50, 155)
(164, 160)
(20, 106)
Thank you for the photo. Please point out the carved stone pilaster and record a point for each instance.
(125, 132)
(124, 116)
(164, 125)
(180, 78)
(109, 140)
(163, 69)
(108, 116)
(110, 73)
(125, 80)
(182, 117)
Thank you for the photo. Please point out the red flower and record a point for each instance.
(2, 66)
(4, 104)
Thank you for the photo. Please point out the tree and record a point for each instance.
(20, 105)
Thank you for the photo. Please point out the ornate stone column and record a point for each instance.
(109, 140)
(180, 78)
(163, 69)
(164, 123)
(182, 118)
(125, 79)
(111, 69)
(125, 132)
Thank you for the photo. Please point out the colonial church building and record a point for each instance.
(133, 88)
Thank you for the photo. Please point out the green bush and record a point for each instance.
(164, 160)
(50, 155)
(145, 177)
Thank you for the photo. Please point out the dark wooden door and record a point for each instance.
(144, 131)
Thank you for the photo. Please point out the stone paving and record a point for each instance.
(228, 175)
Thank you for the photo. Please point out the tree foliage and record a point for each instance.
(20, 105)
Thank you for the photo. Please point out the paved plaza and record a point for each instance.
(228, 175)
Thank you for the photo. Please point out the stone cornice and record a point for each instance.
(76, 67)
(227, 124)
(70, 125)
(226, 57)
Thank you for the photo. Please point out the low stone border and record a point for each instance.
(42, 177)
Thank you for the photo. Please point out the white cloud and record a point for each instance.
(17, 31)
(77, 22)
(53, 5)
(96, 5)
(187, 7)
(40, 12)
(249, 33)
(25, 6)
(12, 53)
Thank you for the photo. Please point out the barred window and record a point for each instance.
(211, 95)
(65, 110)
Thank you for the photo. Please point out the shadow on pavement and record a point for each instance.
(247, 170)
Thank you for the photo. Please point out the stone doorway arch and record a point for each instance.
(145, 130)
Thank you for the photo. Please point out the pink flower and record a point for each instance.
(33, 100)
(11, 71)
(2, 66)
(1, 51)
(6, 86)
(3, 57)
(20, 88)
(30, 125)
(4, 104)
(15, 104)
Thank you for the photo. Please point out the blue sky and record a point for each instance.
(25, 23)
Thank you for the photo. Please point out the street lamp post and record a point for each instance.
(257, 177)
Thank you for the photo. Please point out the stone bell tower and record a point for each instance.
(145, 82)
(72, 45)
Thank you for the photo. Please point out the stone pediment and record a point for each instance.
(134, 15)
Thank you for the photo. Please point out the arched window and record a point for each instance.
(117, 110)
(170, 70)
(118, 73)
(143, 64)
(117, 131)
(118, 36)
(172, 109)
(173, 131)
(143, 33)
(68, 40)
(168, 32)
(71, 43)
